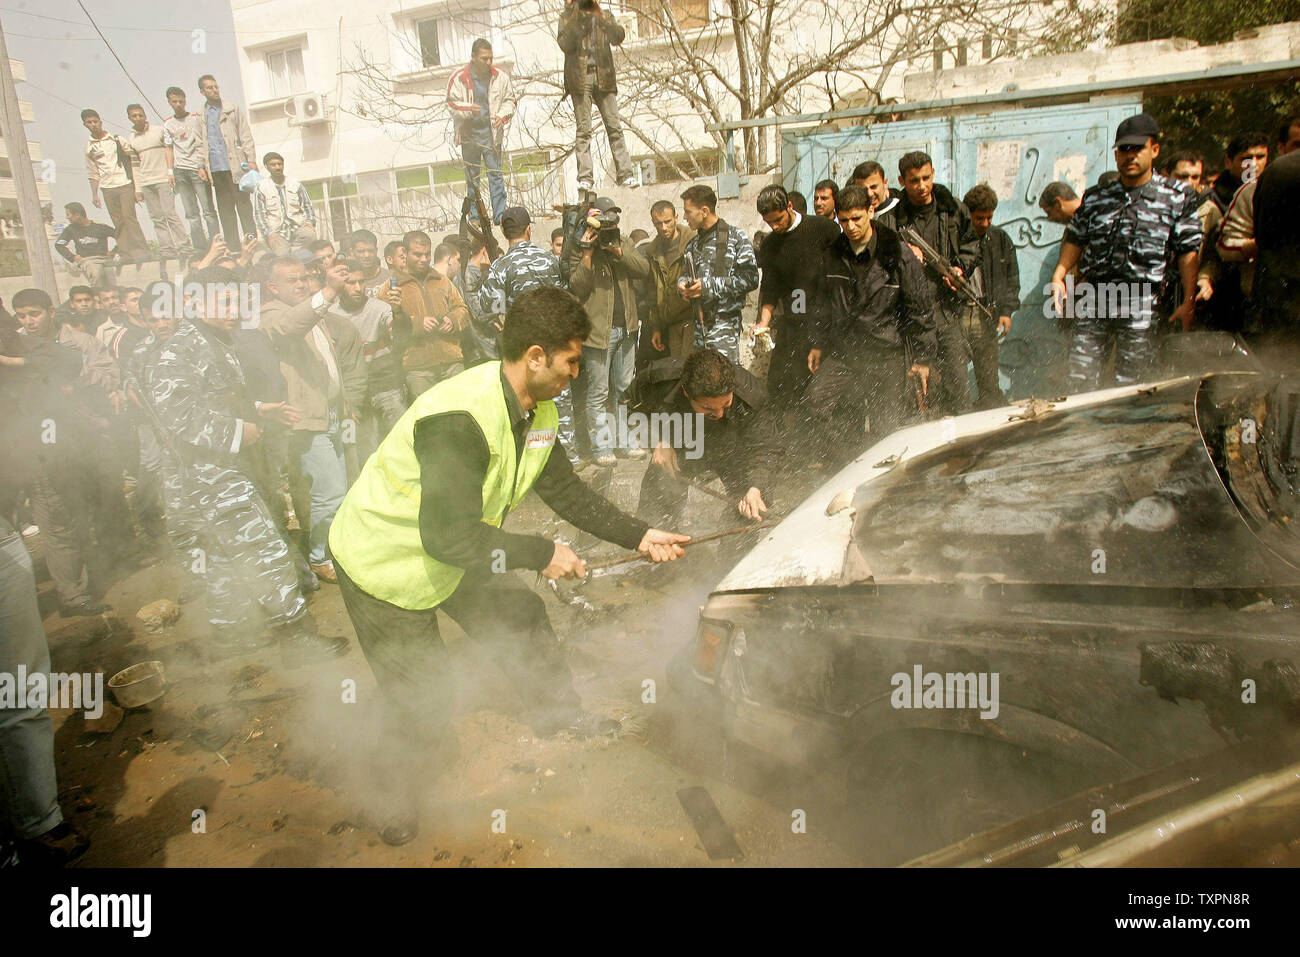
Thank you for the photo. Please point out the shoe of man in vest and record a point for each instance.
(58, 846)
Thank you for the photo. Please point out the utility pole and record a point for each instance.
(20, 162)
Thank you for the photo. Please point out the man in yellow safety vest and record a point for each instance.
(421, 531)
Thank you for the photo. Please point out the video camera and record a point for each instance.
(606, 222)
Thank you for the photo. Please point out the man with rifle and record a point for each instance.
(933, 213)
(718, 271)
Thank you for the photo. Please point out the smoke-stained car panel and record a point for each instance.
(982, 615)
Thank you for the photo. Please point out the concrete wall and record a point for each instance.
(1130, 61)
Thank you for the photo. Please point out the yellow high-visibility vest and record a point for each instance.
(375, 536)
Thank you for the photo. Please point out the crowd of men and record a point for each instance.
(286, 403)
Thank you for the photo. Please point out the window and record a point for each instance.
(443, 40)
(702, 164)
(284, 72)
(426, 33)
(689, 14)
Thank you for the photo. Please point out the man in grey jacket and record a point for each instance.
(604, 265)
(585, 34)
(228, 144)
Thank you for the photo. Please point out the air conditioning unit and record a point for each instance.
(308, 109)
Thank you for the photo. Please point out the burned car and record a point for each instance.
(985, 614)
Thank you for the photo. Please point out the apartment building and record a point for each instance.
(13, 250)
(352, 95)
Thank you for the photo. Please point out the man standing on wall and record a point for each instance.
(154, 186)
(585, 35)
(482, 102)
(190, 170)
(228, 145)
(108, 167)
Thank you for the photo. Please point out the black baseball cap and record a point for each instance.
(1136, 130)
(516, 217)
(606, 205)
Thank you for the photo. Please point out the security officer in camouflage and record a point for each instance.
(1122, 238)
(522, 267)
(199, 392)
(718, 270)
(139, 369)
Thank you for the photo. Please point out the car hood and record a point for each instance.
(1114, 487)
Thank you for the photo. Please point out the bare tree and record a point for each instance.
(690, 63)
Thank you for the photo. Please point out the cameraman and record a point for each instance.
(585, 34)
(604, 268)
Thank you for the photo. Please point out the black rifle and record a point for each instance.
(132, 384)
(940, 265)
(688, 273)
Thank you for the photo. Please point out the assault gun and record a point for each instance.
(135, 391)
(940, 265)
(471, 233)
(688, 273)
(485, 227)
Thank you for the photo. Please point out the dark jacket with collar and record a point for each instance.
(574, 25)
(876, 300)
(1000, 272)
(958, 242)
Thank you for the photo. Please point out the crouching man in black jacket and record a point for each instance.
(875, 332)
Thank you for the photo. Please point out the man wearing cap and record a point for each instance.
(604, 266)
(1122, 238)
(523, 266)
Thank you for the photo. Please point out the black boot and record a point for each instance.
(302, 644)
(58, 846)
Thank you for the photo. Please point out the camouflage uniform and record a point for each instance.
(522, 267)
(724, 293)
(141, 367)
(1128, 238)
(198, 388)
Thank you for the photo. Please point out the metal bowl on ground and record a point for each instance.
(138, 685)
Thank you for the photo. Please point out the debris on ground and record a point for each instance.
(158, 614)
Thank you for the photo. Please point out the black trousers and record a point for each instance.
(232, 201)
(788, 375)
(950, 392)
(852, 388)
(405, 651)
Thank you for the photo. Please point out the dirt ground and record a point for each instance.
(244, 763)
